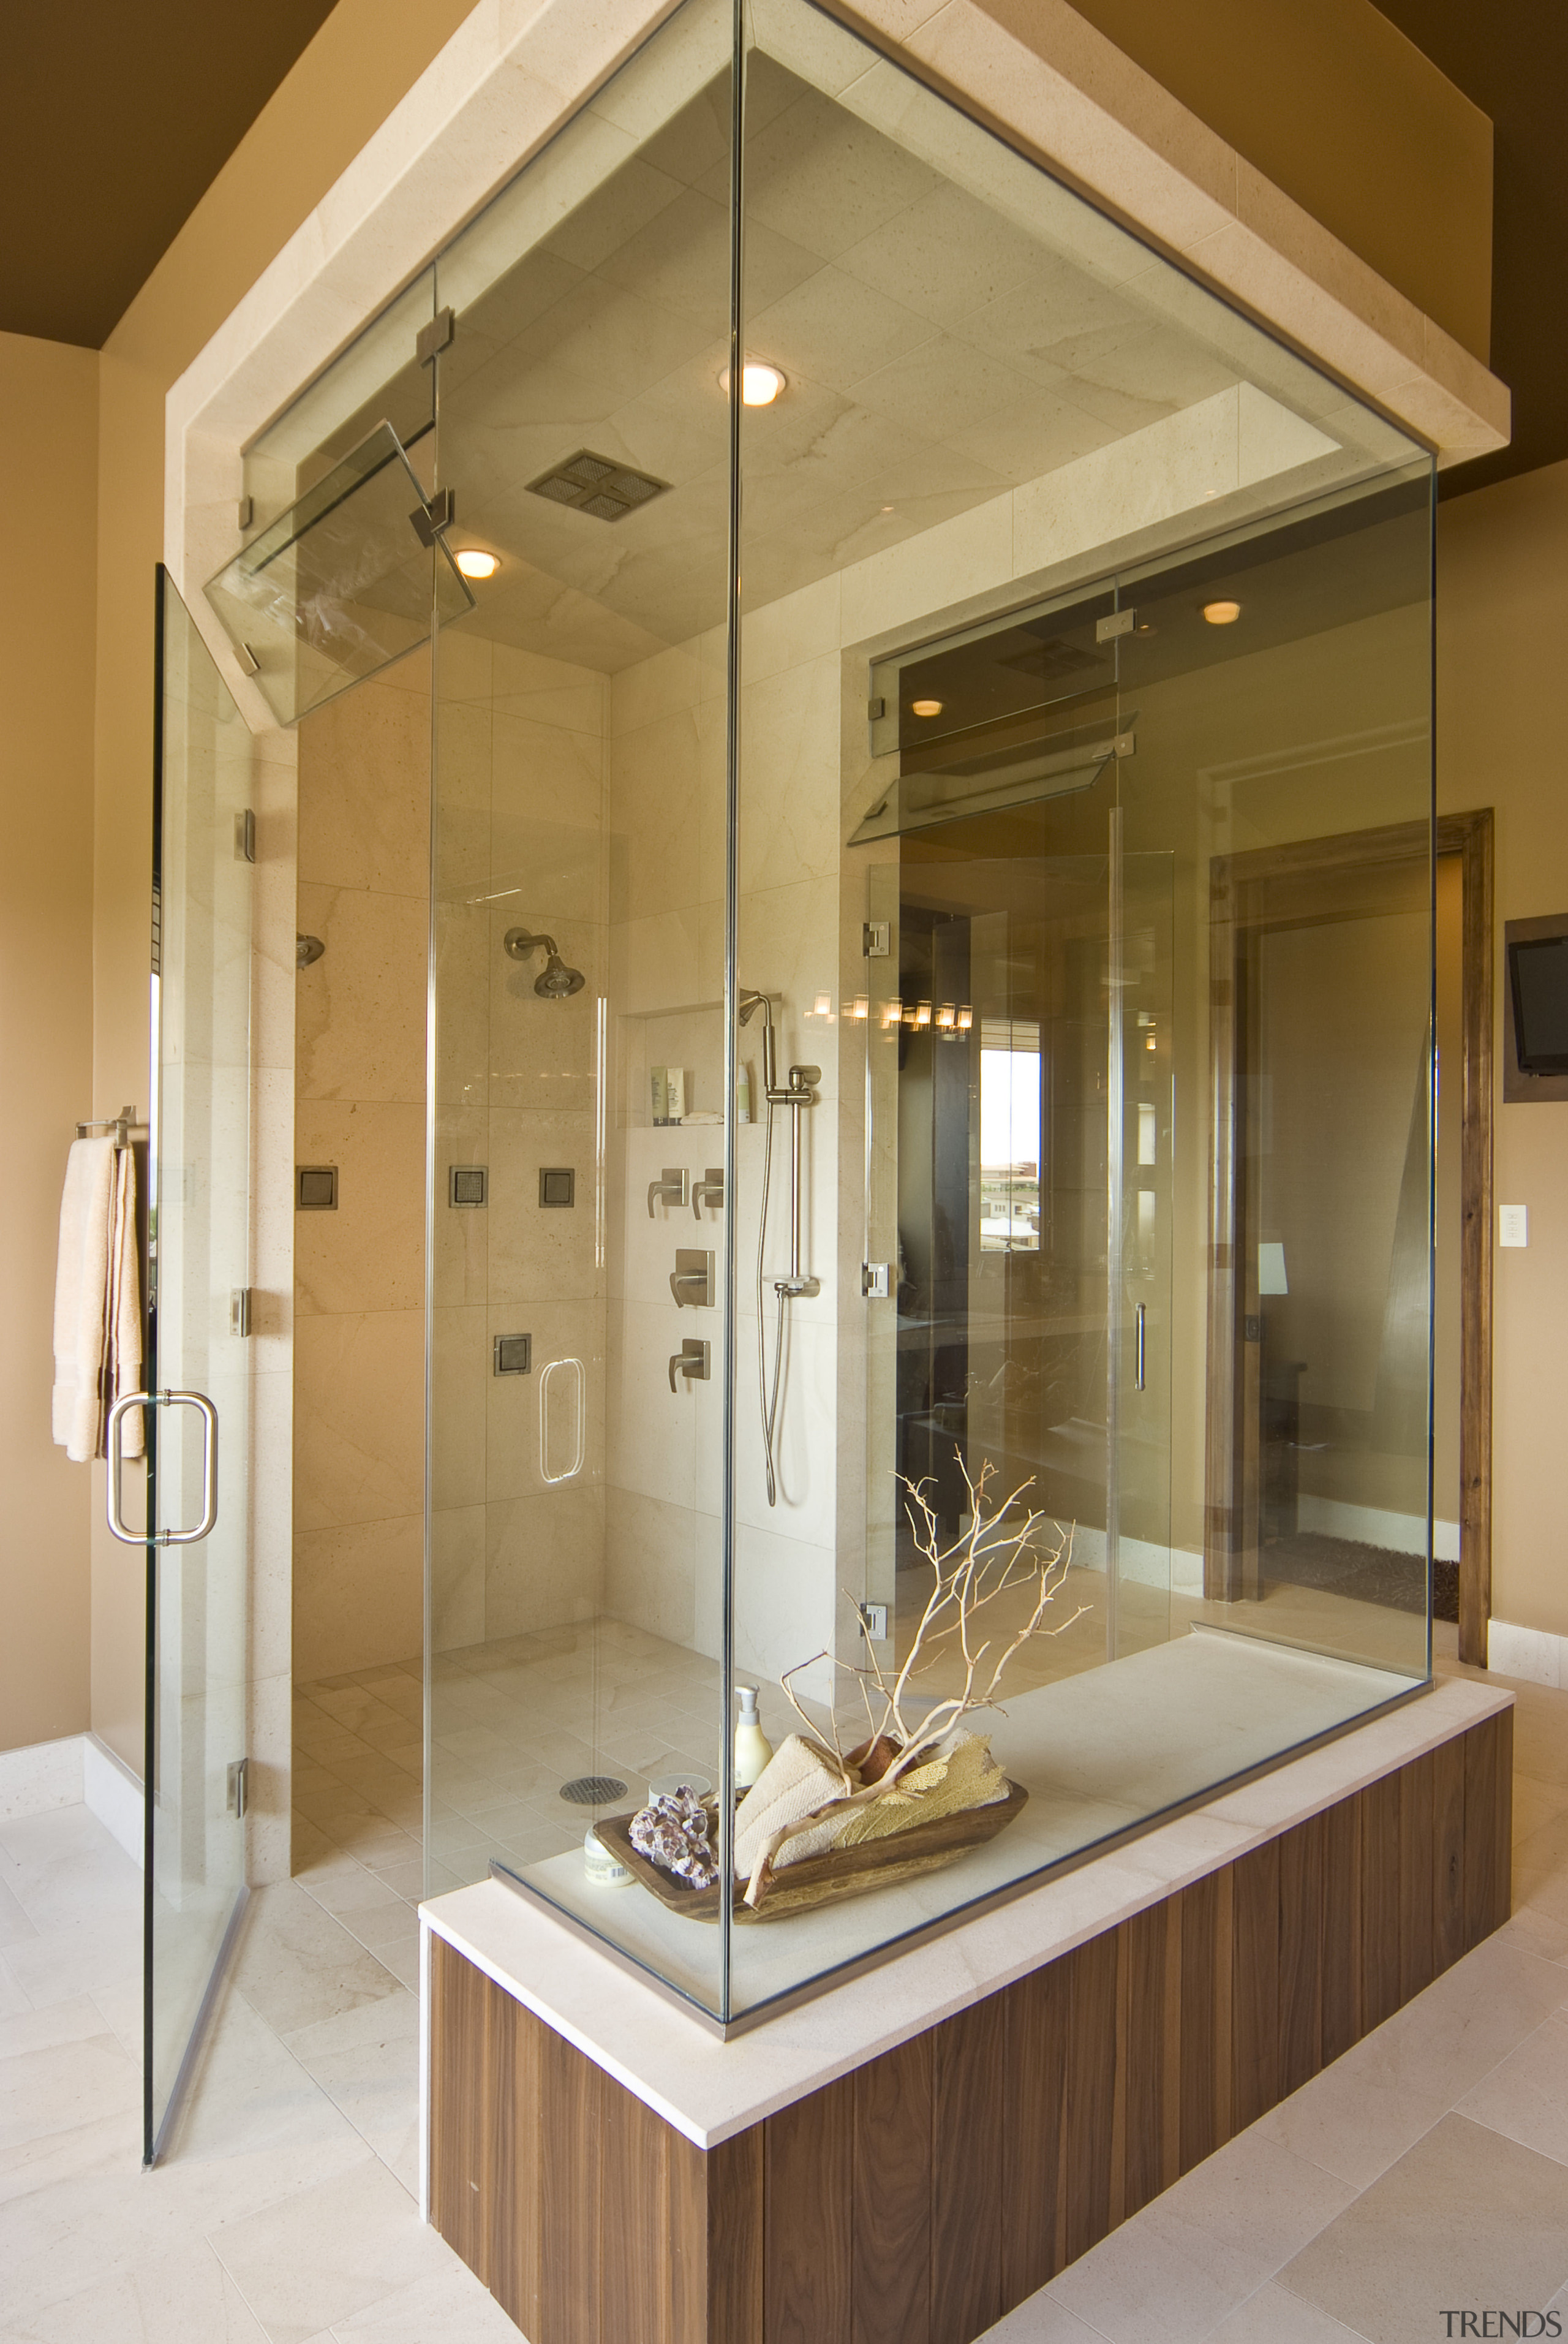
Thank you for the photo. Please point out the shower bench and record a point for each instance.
(906, 2156)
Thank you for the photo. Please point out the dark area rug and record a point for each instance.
(1372, 1575)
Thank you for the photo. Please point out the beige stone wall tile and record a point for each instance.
(456, 1577)
(515, 1405)
(654, 802)
(789, 725)
(358, 1596)
(462, 1233)
(359, 1417)
(540, 1253)
(360, 1009)
(655, 965)
(544, 1561)
(364, 787)
(543, 1053)
(650, 1575)
(463, 979)
(960, 557)
(368, 1255)
(460, 1368)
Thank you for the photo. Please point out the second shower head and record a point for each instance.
(555, 981)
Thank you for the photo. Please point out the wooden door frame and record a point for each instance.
(1230, 1561)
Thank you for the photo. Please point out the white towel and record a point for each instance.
(97, 1299)
(124, 1317)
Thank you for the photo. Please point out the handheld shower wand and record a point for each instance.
(797, 1094)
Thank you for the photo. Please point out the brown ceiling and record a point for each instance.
(117, 117)
(120, 116)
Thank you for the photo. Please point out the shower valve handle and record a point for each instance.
(692, 1362)
(709, 1190)
(671, 1186)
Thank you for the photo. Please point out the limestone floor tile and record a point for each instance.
(1463, 2218)
(316, 2261)
(367, 2063)
(451, 2307)
(1042, 2321)
(1274, 2315)
(13, 1921)
(1370, 2106)
(53, 2087)
(1203, 2246)
(1526, 2096)
(297, 1965)
(250, 2092)
(184, 2298)
(12, 1997)
(81, 1958)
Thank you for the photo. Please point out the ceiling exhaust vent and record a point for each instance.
(592, 484)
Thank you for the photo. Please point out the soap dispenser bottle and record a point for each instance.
(752, 1747)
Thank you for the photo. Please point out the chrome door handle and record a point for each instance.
(208, 1414)
(1143, 1342)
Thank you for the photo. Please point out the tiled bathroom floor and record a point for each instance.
(1427, 2169)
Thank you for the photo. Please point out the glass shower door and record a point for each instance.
(198, 1354)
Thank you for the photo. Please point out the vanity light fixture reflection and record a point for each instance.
(759, 384)
(475, 563)
(925, 707)
(1221, 614)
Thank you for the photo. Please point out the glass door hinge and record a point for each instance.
(238, 1786)
(873, 1621)
(429, 520)
(244, 513)
(239, 1310)
(876, 939)
(245, 836)
(876, 1282)
(1120, 623)
(434, 336)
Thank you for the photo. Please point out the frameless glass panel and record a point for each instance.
(1284, 760)
(578, 1320)
(199, 1278)
(341, 583)
(967, 879)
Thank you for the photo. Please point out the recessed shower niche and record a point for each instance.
(917, 873)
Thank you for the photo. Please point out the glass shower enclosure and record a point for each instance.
(928, 1174)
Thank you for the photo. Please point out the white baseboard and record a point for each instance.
(112, 1793)
(1533, 1654)
(40, 1776)
(1376, 1526)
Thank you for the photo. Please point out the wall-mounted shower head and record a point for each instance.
(555, 981)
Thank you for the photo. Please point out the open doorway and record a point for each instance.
(1317, 1397)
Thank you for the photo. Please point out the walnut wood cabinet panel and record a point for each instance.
(919, 2198)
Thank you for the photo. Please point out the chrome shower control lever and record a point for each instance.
(691, 1362)
(709, 1191)
(671, 1186)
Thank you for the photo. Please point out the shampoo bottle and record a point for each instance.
(743, 1093)
(752, 1747)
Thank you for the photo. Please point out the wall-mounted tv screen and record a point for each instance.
(1538, 977)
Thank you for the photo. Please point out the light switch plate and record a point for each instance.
(1513, 1225)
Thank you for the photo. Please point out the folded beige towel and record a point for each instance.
(798, 1779)
(97, 1299)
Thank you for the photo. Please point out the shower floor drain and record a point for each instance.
(593, 1790)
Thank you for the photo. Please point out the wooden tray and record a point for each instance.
(824, 1879)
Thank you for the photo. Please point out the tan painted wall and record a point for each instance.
(364, 58)
(1502, 709)
(1334, 104)
(48, 421)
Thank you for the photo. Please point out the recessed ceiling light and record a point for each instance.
(925, 707)
(475, 563)
(760, 385)
(1221, 614)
